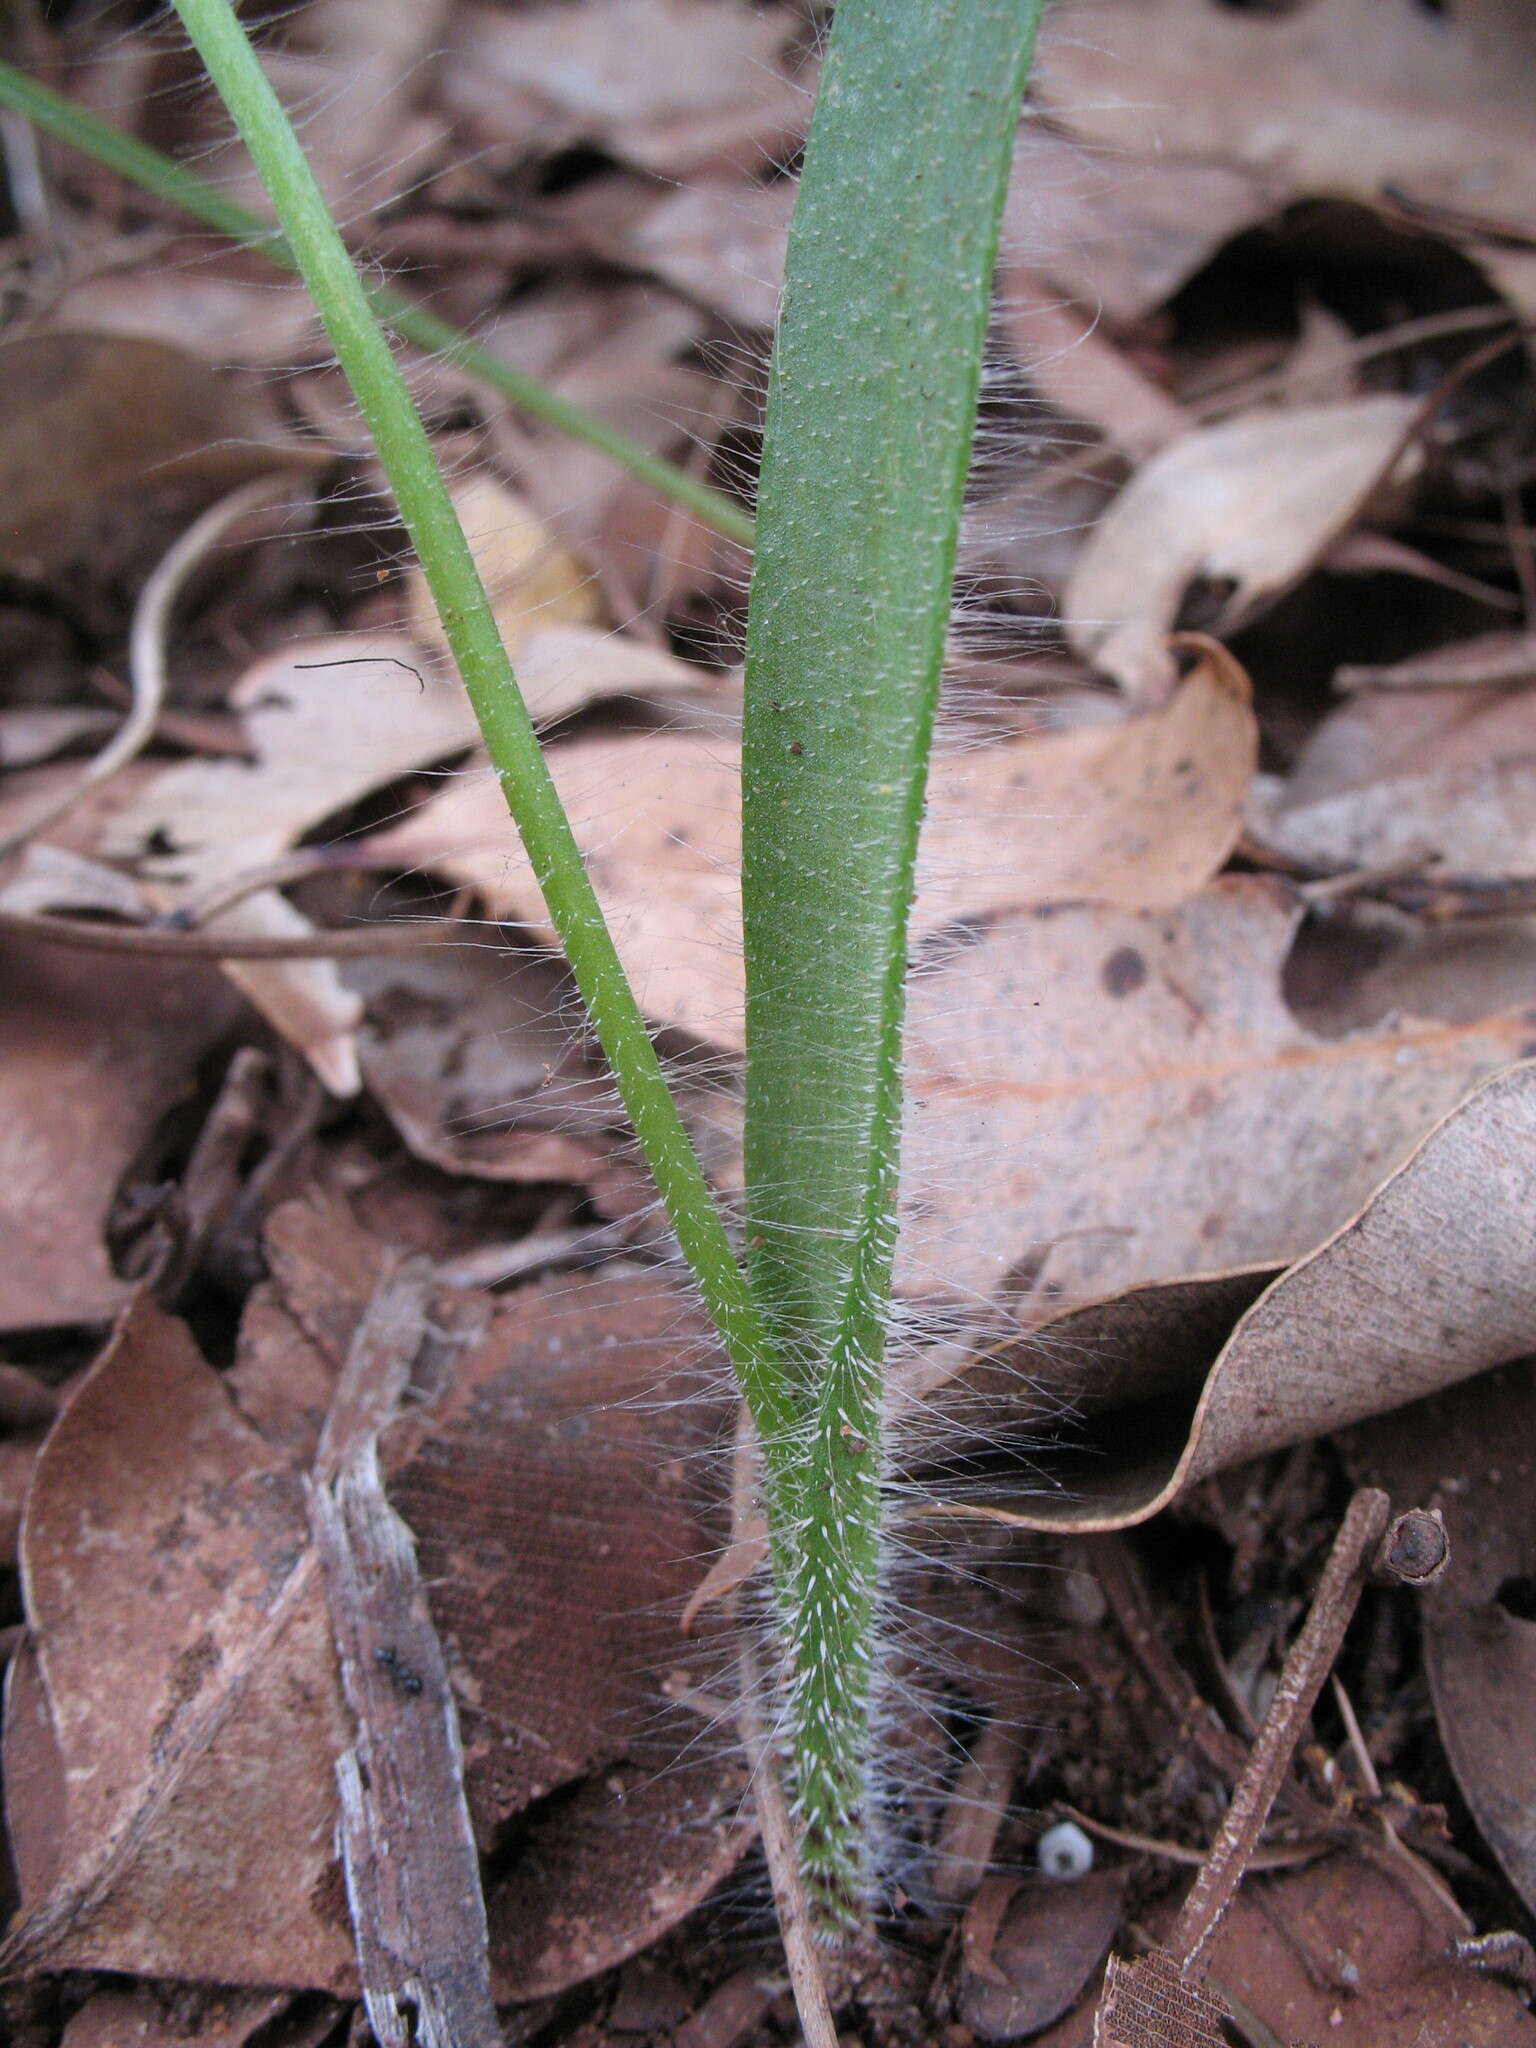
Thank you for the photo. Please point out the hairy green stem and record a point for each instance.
(154, 172)
(867, 443)
(428, 515)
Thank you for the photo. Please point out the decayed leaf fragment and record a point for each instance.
(1141, 811)
(1429, 1284)
(1255, 500)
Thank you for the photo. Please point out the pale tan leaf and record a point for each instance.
(531, 578)
(329, 720)
(1348, 97)
(671, 85)
(1254, 500)
(1100, 1097)
(1143, 811)
(721, 242)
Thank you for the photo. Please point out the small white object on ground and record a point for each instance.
(1065, 1852)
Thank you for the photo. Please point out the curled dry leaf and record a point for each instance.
(1346, 98)
(1472, 1454)
(1431, 1282)
(1254, 500)
(171, 1736)
(670, 85)
(1189, 1122)
(1443, 777)
(1139, 812)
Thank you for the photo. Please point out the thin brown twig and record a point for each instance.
(1302, 1678)
(162, 942)
(1280, 1856)
(146, 649)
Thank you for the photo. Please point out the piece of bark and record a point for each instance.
(408, 1849)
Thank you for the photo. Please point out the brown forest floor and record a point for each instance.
(1220, 1156)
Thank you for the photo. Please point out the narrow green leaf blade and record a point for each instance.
(867, 444)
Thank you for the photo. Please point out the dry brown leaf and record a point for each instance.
(475, 1058)
(530, 577)
(171, 1730)
(196, 2016)
(1472, 1454)
(108, 446)
(1255, 500)
(1083, 375)
(35, 732)
(1120, 230)
(562, 669)
(227, 307)
(1410, 779)
(92, 1055)
(169, 1748)
(1141, 812)
(1101, 1097)
(671, 85)
(656, 815)
(352, 80)
(1431, 1282)
(329, 720)
(1468, 664)
(1363, 964)
(720, 242)
(1345, 98)
(1350, 1951)
(1029, 1947)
